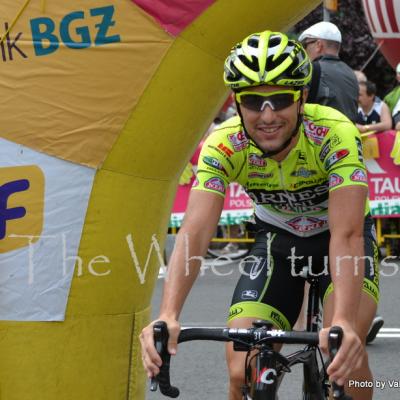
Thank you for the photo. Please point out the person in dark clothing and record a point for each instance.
(333, 82)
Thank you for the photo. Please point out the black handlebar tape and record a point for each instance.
(334, 342)
(163, 378)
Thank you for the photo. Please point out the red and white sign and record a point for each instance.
(384, 179)
(383, 17)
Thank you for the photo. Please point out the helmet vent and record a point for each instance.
(252, 64)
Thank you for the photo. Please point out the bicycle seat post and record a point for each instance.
(313, 303)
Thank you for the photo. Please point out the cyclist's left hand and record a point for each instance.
(349, 356)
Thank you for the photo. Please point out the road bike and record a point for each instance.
(264, 367)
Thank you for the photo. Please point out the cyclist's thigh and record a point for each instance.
(370, 292)
(268, 288)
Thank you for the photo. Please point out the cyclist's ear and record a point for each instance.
(305, 95)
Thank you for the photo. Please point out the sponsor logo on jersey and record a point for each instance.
(256, 160)
(261, 185)
(249, 294)
(260, 175)
(305, 173)
(331, 143)
(302, 158)
(223, 154)
(315, 132)
(360, 149)
(335, 157)
(300, 209)
(335, 140)
(226, 150)
(308, 182)
(335, 180)
(307, 197)
(325, 150)
(239, 141)
(215, 184)
(306, 224)
(214, 163)
(358, 176)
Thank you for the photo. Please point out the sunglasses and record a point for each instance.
(257, 101)
(306, 44)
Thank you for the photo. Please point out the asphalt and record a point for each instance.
(199, 367)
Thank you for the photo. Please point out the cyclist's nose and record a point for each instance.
(267, 114)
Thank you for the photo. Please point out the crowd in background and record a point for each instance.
(375, 114)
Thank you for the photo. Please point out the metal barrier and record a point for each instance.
(384, 239)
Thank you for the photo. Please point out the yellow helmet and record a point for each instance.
(267, 58)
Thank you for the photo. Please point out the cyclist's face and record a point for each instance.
(271, 129)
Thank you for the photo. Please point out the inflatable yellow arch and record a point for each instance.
(102, 104)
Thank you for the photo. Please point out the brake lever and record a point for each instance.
(162, 380)
(335, 337)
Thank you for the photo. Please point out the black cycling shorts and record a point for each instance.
(270, 286)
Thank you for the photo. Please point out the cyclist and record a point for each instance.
(302, 166)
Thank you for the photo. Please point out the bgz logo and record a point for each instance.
(21, 206)
(46, 41)
(74, 31)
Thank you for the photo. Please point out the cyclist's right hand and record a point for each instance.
(150, 358)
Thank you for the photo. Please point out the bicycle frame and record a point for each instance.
(267, 367)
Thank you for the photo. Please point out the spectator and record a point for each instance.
(397, 122)
(392, 99)
(333, 82)
(361, 77)
(373, 113)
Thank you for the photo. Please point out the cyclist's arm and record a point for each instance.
(201, 219)
(346, 224)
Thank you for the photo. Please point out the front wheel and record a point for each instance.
(316, 383)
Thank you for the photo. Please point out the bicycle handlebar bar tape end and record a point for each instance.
(334, 342)
(162, 380)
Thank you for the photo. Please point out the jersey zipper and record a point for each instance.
(281, 176)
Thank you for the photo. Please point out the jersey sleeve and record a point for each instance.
(216, 164)
(342, 157)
